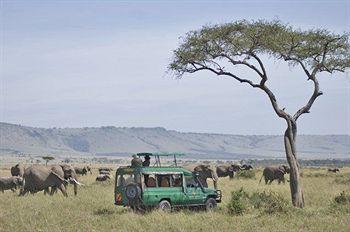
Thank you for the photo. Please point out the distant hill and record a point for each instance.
(119, 141)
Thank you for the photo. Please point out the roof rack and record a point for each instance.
(163, 154)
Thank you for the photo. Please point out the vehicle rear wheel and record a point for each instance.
(210, 204)
(164, 206)
(132, 191)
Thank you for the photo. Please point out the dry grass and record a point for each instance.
(93, 209)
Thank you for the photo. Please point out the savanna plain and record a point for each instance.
(93, 208)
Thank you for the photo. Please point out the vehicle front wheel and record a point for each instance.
(164, 206)
(210, 204)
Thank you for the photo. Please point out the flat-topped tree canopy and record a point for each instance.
(242, 42)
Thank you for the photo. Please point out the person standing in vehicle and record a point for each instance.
(147, 161)
(136, 161)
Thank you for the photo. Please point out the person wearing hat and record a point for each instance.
(147, 162)
(136, 161)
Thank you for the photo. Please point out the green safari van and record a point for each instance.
(165, 188)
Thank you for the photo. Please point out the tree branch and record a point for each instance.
(307, 107)
(221, 72)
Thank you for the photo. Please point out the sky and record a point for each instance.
(99, 63)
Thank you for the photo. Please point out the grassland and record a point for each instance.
(93, 209)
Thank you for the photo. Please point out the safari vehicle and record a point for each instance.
(162, 187)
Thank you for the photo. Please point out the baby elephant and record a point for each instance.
(102, 178)
(10, 183)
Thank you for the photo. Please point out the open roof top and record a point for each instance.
(163, 154)
(160, 154)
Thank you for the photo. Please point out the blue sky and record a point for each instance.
(95, 63)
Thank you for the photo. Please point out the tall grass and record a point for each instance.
(93, 210)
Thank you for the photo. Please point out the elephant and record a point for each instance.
(17, 170)
(204, 172)
(88, 168)
(246, 167)
(102, 178)
(40, 177)
(335, 170)
(82, 171)
(105, 169)
(10, 183)
(275, 173)
(102, 172)
(67, 172)
(227, 170)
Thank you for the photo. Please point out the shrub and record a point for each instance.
(238, 203)
(248, 174)
(270, 202)
(343, 198)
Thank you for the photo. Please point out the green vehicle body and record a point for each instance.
(182, 187)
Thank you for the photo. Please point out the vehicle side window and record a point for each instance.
(150, 180)
(176, 180)
(163, 180)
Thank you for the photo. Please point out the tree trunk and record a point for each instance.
(295, 183)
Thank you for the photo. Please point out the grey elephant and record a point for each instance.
(105, 169)
(67, 172)
(103, 172)
(335, 170)
(39, 177)
(275, 173)
(102, 178)
(10, 183)
(227, 170)
(204, 172)
(82, 171)
(88, 168)
(17, 170)
(246, 167)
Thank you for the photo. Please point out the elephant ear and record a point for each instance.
(56, 175)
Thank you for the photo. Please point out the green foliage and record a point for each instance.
(266, 202)
(48, 158)
(343, 198)
(247, 174)
(270, 202)
(238, 203)
(240, 41)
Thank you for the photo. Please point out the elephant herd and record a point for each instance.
(269, 173)
(36, 178)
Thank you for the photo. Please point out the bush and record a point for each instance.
(270, 202)
(343, 198)
(248, 174)
(238, 203)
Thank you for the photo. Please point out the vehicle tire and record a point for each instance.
(133, 191)
(210, 204)
(164, 206)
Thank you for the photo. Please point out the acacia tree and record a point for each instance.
(220, 48)
(47, 159)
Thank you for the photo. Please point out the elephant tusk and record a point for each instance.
(75, 181)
